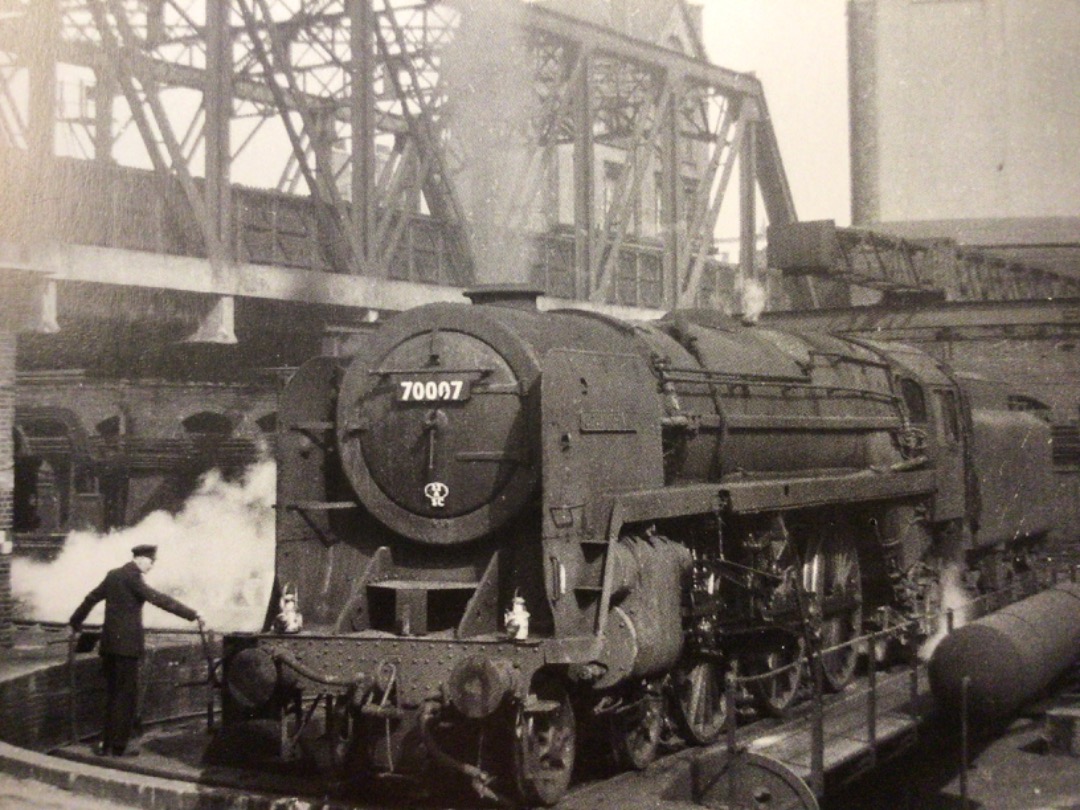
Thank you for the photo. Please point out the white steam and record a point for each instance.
(487, 69)
(216, 556)
(754, 299)
(954, 598)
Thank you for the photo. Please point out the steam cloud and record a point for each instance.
(487, 69)
(954, 598)
(216, 555)
(754, 299)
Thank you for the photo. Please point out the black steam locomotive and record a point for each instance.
(507, 527)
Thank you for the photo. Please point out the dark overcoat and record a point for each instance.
(124, 591)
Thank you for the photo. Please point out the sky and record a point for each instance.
(798, 49)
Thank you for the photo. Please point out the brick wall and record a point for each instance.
(38, 712)
(7, 480)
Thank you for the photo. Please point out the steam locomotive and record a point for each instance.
(507, 527)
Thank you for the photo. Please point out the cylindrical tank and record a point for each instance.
(1010, 656)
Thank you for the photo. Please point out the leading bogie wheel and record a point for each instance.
(636, 727)
(545, 743)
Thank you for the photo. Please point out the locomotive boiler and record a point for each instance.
(508, 527)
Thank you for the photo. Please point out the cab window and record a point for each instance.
(913, 396)
(950, 417)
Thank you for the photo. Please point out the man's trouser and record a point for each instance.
(122, 696)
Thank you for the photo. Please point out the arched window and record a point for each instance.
(43, 474)
(268, 422)
(208, 423)
(109, 428)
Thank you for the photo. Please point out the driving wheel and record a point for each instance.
(700, 708)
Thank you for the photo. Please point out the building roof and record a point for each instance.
(672, 23)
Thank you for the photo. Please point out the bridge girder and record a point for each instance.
(367, 108)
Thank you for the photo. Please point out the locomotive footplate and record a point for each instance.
(418, 667)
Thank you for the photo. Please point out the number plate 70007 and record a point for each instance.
(443, 390)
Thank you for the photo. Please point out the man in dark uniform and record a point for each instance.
(124, 592)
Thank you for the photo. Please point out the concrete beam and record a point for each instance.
(128, 268)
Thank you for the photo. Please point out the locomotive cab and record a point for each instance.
(938, 411)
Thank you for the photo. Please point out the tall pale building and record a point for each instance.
(965, 122)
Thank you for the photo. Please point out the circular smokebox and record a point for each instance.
(436, 426)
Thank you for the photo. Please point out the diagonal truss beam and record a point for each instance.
(320, 185)
(639, 158)
(707, 203)
(423, 126)
(152, 120)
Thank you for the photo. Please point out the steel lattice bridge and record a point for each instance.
(373, 154)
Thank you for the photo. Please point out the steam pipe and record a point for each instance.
(359, 680)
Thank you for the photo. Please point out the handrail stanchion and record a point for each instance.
(731, 721)
(871, 701)
(73, 640)
(817, 727)
(206, 640)
(965, 685)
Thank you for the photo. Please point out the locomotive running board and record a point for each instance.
(791, 493)
(748, 497)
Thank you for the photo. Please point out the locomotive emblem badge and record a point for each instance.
(436, 492)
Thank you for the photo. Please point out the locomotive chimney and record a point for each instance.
(513, 296)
